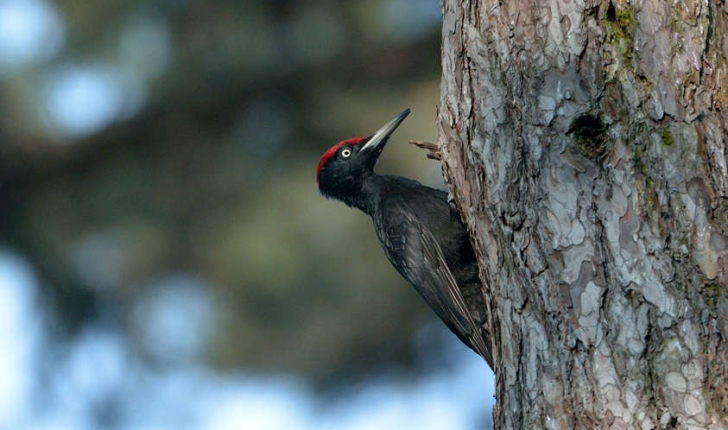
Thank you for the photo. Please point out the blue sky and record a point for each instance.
(100, 365)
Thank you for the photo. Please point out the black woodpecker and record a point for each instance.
(420, 232)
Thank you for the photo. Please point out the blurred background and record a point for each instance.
(166, 261)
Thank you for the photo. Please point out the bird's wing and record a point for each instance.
(451, 296)
(415, 252)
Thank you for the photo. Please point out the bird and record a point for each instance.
(420, 231)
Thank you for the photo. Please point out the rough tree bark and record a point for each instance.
(585, 142)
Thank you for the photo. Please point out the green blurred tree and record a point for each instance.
(207, 169)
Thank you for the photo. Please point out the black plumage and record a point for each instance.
(421, 233)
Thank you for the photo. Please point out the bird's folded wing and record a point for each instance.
(414, 251)
(451, 295)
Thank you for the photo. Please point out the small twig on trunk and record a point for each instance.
(433, 148)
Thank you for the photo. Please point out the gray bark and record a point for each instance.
(585, 143)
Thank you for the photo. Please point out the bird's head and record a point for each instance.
(343, 168)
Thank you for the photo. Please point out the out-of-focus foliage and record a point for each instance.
(165, 151)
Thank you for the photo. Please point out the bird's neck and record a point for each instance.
(366, 197)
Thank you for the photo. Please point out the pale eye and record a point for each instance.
(346, 152)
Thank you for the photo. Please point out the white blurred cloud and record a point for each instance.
(30, 31)
(82, 99)
(19, 336)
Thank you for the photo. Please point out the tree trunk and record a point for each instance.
(585, 142)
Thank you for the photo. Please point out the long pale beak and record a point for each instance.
(378, 139)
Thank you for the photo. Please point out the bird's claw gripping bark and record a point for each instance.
(451, 200)
(433, 148)
(434, 154)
